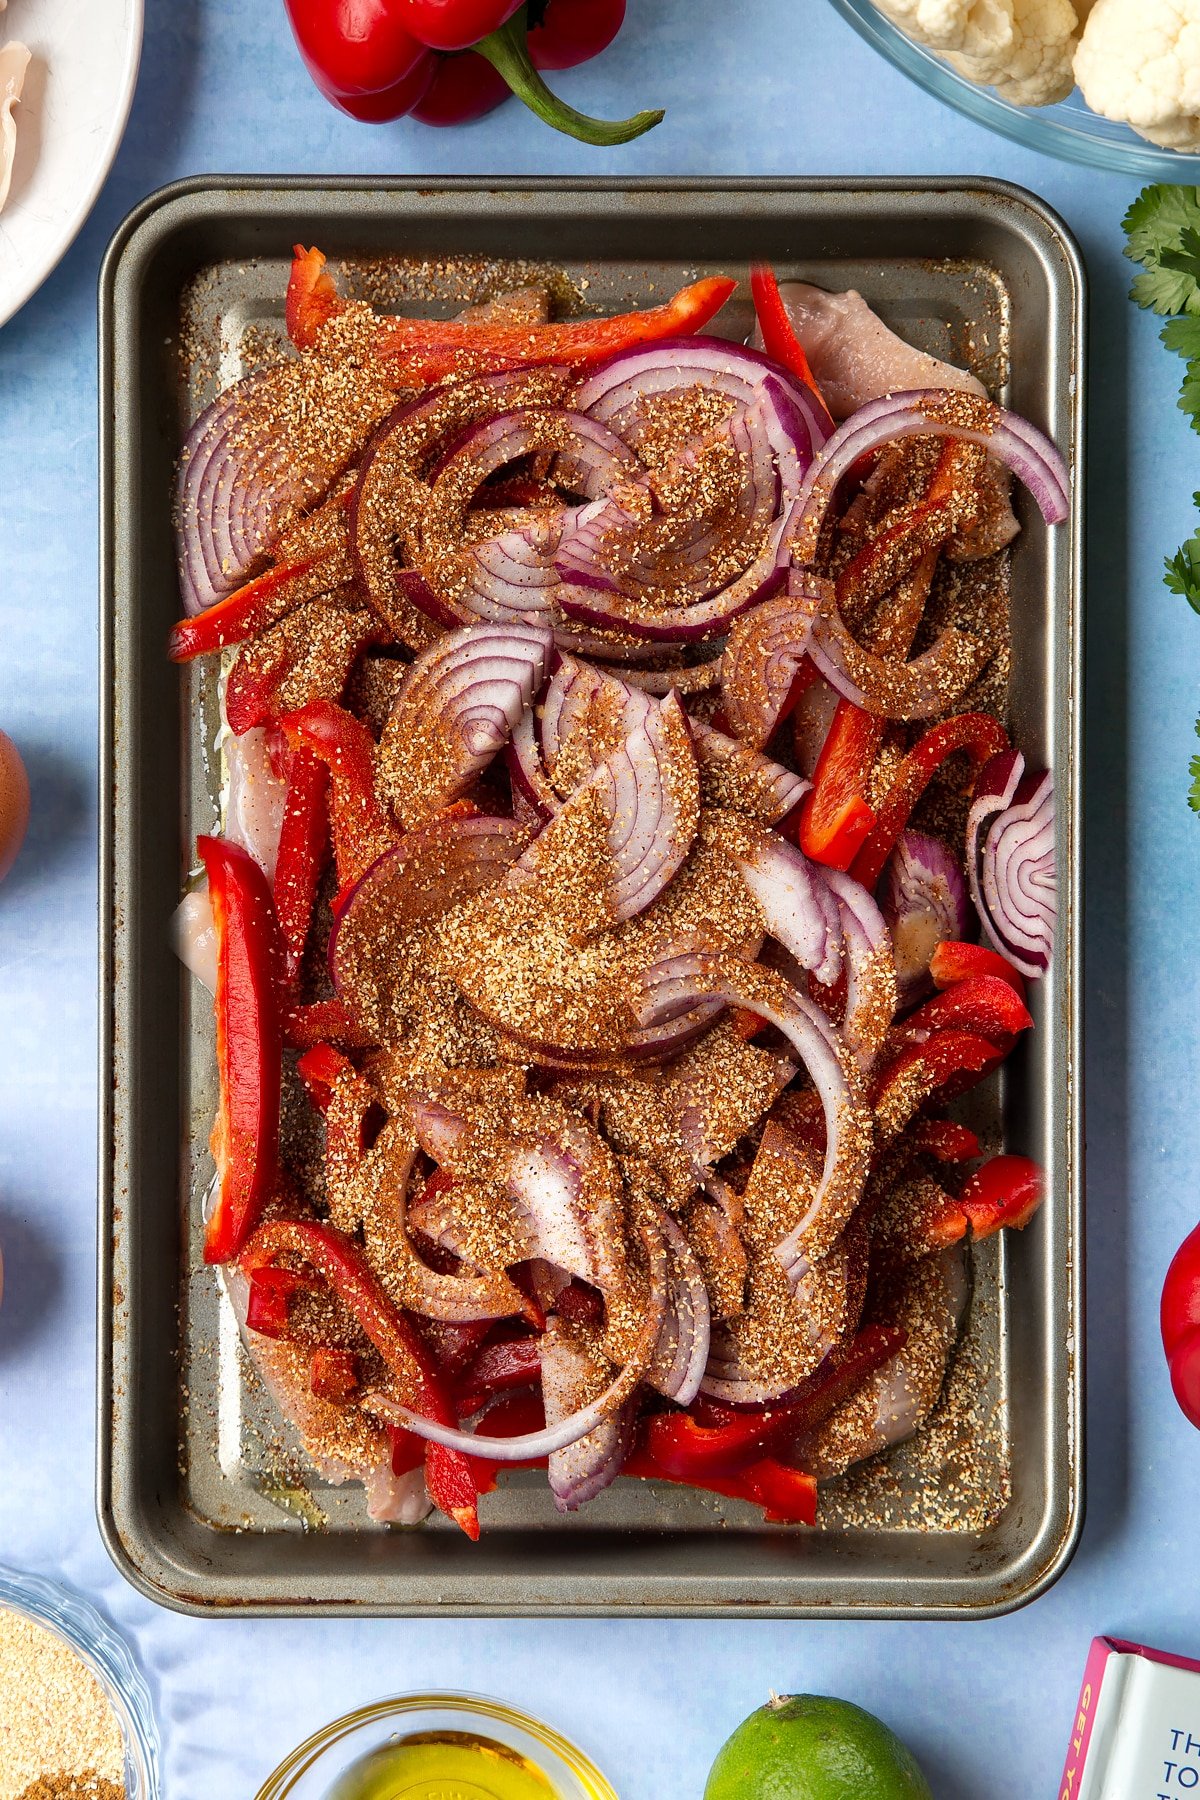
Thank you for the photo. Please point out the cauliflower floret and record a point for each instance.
(1139, 61)
(1035, 69)
(970, 27)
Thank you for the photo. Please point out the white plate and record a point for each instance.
(70, 121)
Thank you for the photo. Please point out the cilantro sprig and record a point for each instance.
(1162, 229)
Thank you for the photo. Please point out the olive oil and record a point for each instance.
(443, 1765)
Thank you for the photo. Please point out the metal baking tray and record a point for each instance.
(198, 1504)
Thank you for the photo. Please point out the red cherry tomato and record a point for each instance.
(463, 88)
(361, 55)
(456, 24)
(14, 803)
(573, 31)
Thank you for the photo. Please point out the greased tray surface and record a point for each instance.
(200, 1502)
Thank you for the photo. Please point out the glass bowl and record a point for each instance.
(73, 1619)
(1068, 129)
(310, 1771)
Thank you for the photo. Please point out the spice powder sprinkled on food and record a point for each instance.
(59, 1735)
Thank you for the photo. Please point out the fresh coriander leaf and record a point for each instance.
(1189, 395)
(1181, 572)
(1194, 772)
(1157, 218)
(1163, 229)
(1183, 336)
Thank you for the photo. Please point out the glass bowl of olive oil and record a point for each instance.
(437, 1747)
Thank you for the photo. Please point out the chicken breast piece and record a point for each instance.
(14, 61)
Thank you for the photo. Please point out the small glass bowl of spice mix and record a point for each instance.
(76, 1721)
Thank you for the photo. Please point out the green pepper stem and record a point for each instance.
(508, 52)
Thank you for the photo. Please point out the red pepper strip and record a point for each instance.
(320, 1021)
(959, 1058)
(1179, 1319)
(242, 614)
(267, 1301)
(361, 831)
(983, 1004)
(511, 1363)
(1006, 1191)
(320, 1069)
(580, 1305)
(786, 1496)
(835, 818)
(303, 853)
(425, 351)
(944, 1139)
(779, 334)
(312, 298)
(952, 962)
(408, 1450)
(513, 1416)
(245, 1137)
(723, 1442)
(345, 1269)
(747, 1024)
(981, 736)
(454, 1347)
(334, 1375)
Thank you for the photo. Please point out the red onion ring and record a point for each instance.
(763, 657)
(781, 790)
(681, 1353)
(1012, 874)
(923, 896)
(870, 967)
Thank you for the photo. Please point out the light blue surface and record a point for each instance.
(788, 90)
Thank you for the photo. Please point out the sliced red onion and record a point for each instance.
(763, 657)
(649, 790)
(689, 975)
(810, 723)
(527, 771)
(457, 705)
(616, 391)
(428, 872)
(681, 1353)
(870, 967)
(576, 694)
(937, 412)
(535, 1444)
(725, 762)
(236, 490)
(1012, 874)
(583, 1469)
(923, 896)
(798, 907)
(730, 1382)
(692, 677)
(590, 455)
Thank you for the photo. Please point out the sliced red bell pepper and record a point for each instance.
(1179, 1320)
(361, 829)
(245, 1137)
(786, 1496)
(342, 1265)
(454, 1346)
(779, 334)
(408, 1450)
(321, 1068)
(944, 1139)
(947, 1059)
(424, 351)
(244, 613)
(977, 733)
(498, 1369)
(267, 1301)
(836, 816)
(334, 1374)
(1006, 1191)
(952, 962)
(514, 1415)
(303, 853)
(321, 1021)
(984, 1004)
(312, 298)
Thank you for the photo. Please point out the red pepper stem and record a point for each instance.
(508, 52)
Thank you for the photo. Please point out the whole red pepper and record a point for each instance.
(374, 58)
(245, 1137)
(1180, 1321)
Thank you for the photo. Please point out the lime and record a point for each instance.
(808, 1747)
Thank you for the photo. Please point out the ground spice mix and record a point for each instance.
(59, 1736)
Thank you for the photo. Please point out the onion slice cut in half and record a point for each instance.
(763, 657)
(798, 907)
(457, 707)
(923, 896)
(1012, 873)
(692, 974)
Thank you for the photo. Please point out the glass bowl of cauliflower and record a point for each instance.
(1113, 83)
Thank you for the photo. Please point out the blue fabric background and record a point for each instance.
(774, 88)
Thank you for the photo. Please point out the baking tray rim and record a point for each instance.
(1056, 1539)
